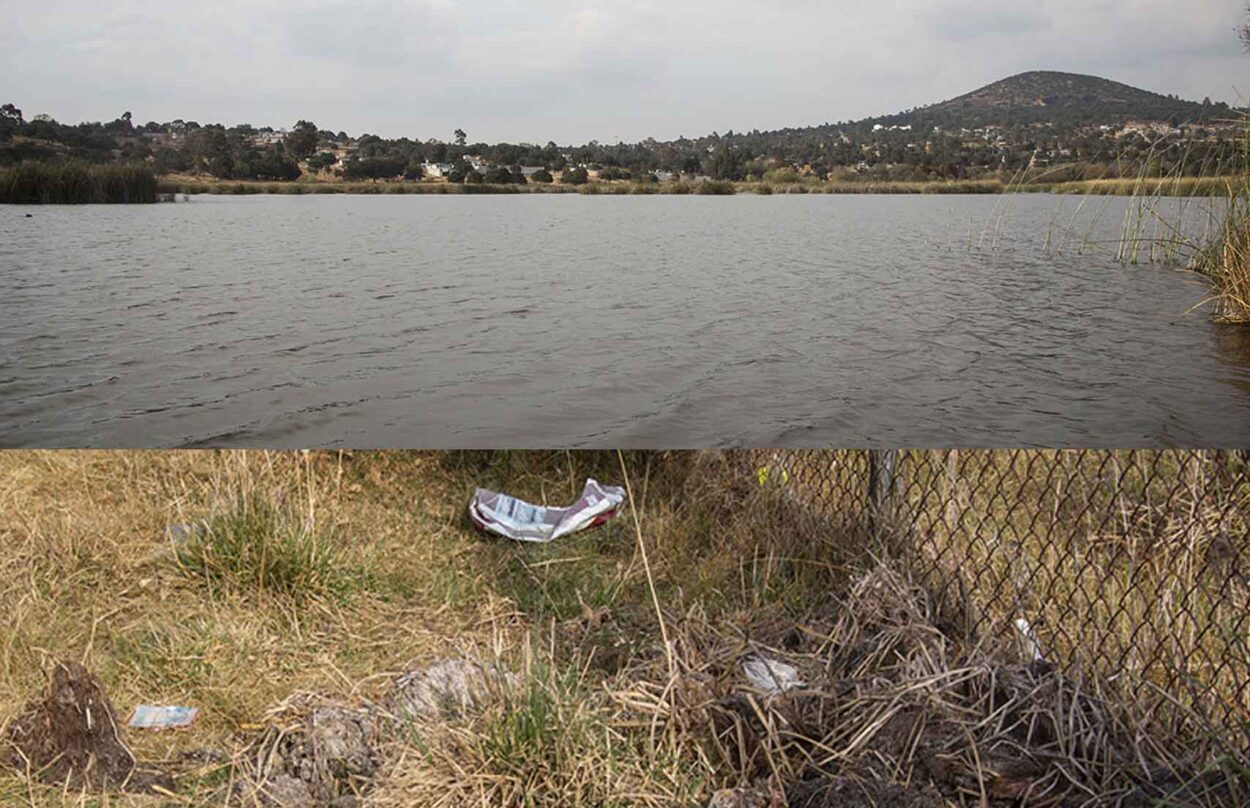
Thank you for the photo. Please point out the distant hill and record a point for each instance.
(1062, 99)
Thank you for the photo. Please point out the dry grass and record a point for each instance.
(88, 572)
(1227, 262)
(313, 572)
(379, 570)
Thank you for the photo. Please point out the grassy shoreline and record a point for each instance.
(1185, 186)
(326, 574)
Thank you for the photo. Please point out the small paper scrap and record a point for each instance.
(162, 716)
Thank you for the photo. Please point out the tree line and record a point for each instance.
(920, 144)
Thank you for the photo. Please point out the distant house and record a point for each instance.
(529, 171)
(437, 169)
(159, 139)
(268, 138)
(1147, 128)
(344, 153)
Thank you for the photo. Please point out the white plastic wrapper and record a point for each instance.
(162, 716)
(516, 519)
(770, 676)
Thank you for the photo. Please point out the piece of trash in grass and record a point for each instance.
(773, 473)
(162, 716)
(1026, 640)
(770, 676)
(516, 519)
(181, 532)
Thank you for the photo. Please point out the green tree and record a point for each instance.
(301, 141)
(10, 121)
(168, 161)
(574, 176)
(459, 171)
(542, 175)
(498, 175)
(321, 161)
(474, 178)
(461, 137)
(726, 163)
(209, 150)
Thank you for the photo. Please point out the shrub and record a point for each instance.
(574, 176)
(498, 175)
(375, 168)
(781, 175)
(716, 188)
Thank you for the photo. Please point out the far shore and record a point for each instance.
(1183, 186)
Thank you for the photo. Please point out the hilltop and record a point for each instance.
(1047, 96)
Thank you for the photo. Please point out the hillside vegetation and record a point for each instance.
(1045, 96)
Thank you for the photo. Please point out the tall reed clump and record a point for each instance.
(1226, 261)
(76, 182)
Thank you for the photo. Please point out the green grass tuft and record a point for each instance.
(256, 547)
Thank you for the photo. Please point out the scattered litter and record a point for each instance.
(70, 737)
(512, 518)
(1026, 639)
(162, 716)
(774, 473)
(770, 676)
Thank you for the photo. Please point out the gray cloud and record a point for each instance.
(572, 70)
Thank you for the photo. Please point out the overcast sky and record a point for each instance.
(577, 70)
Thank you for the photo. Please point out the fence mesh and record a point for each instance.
(1131, 566)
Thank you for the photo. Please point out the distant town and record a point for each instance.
(1064, 127)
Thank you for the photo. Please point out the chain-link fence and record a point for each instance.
(1130, 566)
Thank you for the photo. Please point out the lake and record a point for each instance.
(637, 321)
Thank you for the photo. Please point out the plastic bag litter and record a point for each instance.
(1026, 640)
(516, 519)
(162, 716)
(770, 676)
(183, 532)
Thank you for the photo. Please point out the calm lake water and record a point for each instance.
(602, 321)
